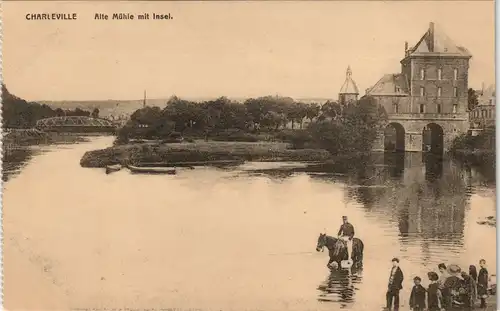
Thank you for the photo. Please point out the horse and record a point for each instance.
(337, 250)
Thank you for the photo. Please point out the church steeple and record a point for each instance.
(348, 73)
(349, 90)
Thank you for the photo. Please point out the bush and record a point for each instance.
(299, 139)
(485, 141)
(235, 135)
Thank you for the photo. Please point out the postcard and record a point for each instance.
(248, 155)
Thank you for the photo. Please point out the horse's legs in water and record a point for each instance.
(329, 262)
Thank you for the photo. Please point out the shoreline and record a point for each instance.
(29, 137)
(199, 152)
(206, 152)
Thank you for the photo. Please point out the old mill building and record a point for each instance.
(426, 102)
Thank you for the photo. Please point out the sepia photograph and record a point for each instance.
(248, 155)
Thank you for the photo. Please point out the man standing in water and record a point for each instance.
(346, 232)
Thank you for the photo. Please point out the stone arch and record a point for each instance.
(394, 137)
(433, 138)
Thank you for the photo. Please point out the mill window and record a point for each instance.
(455, 92)
(455, 74)
(422, 108)
(396, 108)
(439, 92)
(422, 74)
(438, 108)
(422, 91)
(454, 108)
(440, 72)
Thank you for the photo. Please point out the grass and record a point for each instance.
(199, 151)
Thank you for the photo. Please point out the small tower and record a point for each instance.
(349, 91)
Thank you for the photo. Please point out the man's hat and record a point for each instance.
(345, 217)
(454, 269)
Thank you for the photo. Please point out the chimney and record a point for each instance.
(431, 37)
(406, 48)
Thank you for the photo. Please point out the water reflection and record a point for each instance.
(429, 198)
(404, 205)
(340, 286)
(425, 196)
(395, 163)
(433, 166)
(14, 159)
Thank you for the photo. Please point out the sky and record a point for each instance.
(235, 49)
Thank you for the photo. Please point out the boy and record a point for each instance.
(395, 285)
(417, 296)
(482, 283)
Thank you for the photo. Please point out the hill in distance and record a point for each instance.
(127, 107)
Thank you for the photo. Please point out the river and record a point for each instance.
(242, 238)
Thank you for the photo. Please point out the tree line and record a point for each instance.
(330, 125)
(18, 113)
(264, 113)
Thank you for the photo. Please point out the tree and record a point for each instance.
(331, 110)
(184, 114)
(95, 113)
(296, 113)
(60, 112)
(472, 99)
(146, 116)
(147, 122)
(312, 111)
(18, 113)
(350, 130)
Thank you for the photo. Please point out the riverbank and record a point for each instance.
(26, 137)
(199, 151)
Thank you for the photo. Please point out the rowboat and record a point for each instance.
(151, 170)
(113, 168)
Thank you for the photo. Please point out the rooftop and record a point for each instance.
(435, 41)
(390, 85)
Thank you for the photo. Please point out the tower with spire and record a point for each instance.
(349, 91)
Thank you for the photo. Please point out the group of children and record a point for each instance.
(453, 289)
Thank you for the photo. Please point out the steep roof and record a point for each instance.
(349, 86)
(390, 85)
(435, 41)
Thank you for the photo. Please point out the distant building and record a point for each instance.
(483, 115)
(349, 91)
(426, 102)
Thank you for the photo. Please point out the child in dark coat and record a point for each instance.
(482, 283)
(417, 296)
(434, 297)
